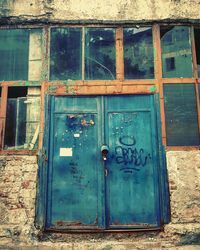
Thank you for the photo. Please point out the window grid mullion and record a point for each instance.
(194, 58)
(46, 55)
(4, 99)
(83, 53)
(158, 76)
(119, 54)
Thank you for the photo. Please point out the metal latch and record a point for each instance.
(104, 152)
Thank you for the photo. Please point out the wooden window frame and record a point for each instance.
(101, 87)
(4, 95)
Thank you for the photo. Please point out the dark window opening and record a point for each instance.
(197, 45)
(15, 117)
(181, 115)
(170, 63)
(15, 92)
(66, 54)
(22, 119)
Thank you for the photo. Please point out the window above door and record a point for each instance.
(102, 60)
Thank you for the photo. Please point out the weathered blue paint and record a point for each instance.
(163, 175)
(43, 156)
(123, 191)
(132, 190)
(75, 164)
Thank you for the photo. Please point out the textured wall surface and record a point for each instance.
(18, 174)
(184, 179)
(18, 177)
(17, 197)
(113, 10)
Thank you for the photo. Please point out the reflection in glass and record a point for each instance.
(176, 51)
(65, 53)
(100, 54)
(197, 45)
(181, 115)
(14, 52)
(138, 53)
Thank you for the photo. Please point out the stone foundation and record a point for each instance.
(18, 178)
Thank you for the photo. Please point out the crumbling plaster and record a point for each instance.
(18, 180)
(99, 10)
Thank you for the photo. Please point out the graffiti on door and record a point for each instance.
(127, 153)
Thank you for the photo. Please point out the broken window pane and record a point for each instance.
(181, 115)
(66, 54)
(176, 44)
(197, 45)
(138, 53)
(170, 63)
(100, 54)
(22, 118)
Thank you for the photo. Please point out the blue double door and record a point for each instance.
(103, 170)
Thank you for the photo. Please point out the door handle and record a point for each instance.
(104, 152)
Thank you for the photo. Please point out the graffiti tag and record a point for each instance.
(128, 153)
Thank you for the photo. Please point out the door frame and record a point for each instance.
(43, 162)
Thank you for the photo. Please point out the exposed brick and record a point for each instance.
(17, 209)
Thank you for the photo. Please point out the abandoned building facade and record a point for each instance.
(99, 124)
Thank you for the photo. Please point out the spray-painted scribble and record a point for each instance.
(127, 153)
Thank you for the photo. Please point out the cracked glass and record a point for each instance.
(100, 54)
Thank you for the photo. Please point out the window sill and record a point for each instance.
(182, 148)
(19, 152)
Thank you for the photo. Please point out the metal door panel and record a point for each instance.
(76, 103)
(132, 195)
(86, 192)
(75, 167)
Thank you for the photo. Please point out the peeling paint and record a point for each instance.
(152, 89)
(37, 11)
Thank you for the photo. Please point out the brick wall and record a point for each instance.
(17, 198)
(18, 176)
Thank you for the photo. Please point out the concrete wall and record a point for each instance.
(99, 10)
(18, 177)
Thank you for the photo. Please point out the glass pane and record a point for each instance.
(197, 45)
(181, 115)
(138, 53)
(65, 53)
(14, 51)
(22, 120)
(100, 54)
(176, 51)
